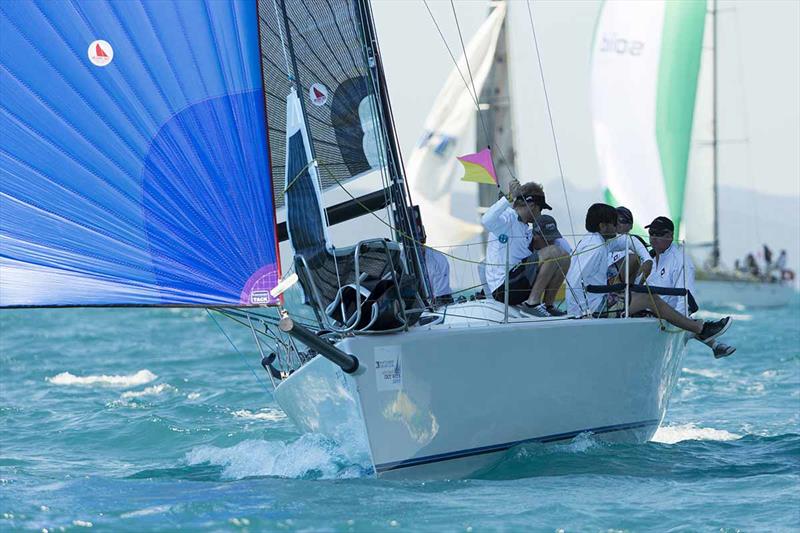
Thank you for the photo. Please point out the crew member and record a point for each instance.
(616, 260)
(589, 266)
(674, 268)
(529, 271)
(545, 232)
(437, 270)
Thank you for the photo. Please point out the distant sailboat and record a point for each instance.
(646, 65)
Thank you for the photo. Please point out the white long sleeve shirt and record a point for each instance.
(589, 267)
(668, 271)
(501, 220)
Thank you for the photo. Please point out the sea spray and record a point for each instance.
(122, 381)
(310, 456)
(683, 432)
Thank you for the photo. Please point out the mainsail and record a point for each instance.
(323, 71)
(133, 155)
(318, 46)
(645, 65)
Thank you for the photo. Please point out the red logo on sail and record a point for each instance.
(318, 94)
(100, 53)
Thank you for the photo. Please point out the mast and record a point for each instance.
(494, 122)
(715, 142)
(405, 226)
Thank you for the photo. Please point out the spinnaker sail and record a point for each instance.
(133, 155)
(645, 65)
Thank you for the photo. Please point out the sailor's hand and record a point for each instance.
(647, 267)
(513, 188)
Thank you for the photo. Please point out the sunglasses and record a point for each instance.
(658, 233)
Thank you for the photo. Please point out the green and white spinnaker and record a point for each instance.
(645, 65)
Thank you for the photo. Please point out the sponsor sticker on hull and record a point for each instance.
(388, 368)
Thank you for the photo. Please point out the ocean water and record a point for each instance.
(131, 420)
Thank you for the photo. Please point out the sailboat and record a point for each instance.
(646, 70)
(148, 175)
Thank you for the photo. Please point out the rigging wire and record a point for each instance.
(474, 96)
(550, 116)
(244, 358)
(555, 137)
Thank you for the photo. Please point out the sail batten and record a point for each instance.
(134, 155)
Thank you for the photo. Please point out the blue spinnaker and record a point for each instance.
(133, 157)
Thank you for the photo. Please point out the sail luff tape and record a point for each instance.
(284, 285)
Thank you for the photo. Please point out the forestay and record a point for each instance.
(645, 64)
(133, 155)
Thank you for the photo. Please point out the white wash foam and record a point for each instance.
(310, 454)
(267, 413)
(682, 432)
(132, 380)
(155, 390)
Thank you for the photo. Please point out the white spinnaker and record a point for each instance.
(432, 170)
(625, 67)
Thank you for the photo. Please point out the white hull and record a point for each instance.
(717, 293)
(466, 392)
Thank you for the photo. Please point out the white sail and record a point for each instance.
(645, 64)
(432, 169)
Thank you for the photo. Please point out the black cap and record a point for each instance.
(624, 215)
(537, 199)
(661, 225)
(546, 227)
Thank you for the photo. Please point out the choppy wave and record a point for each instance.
(132, 380)
(155, 390)
(266, 413)
(310, 456)
(682, 432)
(704, 372)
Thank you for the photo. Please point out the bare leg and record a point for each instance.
(562, 266)
(547, 267)
(634, 267)
(654, 303)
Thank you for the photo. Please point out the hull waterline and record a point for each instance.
(447, 400)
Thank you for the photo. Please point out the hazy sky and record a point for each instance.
(764, 35)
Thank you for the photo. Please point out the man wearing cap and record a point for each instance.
(616, 260)
(590, 260)
(530, 272)
(589, 268)
(545, 233)
(674, 268)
